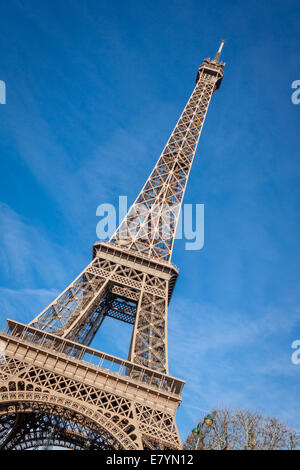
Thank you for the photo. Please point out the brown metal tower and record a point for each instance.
(57, 390)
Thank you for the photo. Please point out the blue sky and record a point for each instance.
(94, 89)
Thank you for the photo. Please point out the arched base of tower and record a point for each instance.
(28, 424)
(44, 430)
(51, 398)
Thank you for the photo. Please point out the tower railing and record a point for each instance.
(15, 331)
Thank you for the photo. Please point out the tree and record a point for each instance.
(243, 430)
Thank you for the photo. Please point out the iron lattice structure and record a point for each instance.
(54, 388)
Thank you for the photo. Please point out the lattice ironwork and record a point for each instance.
(44, 430)
(50, 393)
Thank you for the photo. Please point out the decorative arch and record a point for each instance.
(15, 401)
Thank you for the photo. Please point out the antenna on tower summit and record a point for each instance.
(218, 54)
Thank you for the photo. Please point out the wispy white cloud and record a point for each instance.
(35, 268)
(78, 186)
(24, 304)
(27, 256)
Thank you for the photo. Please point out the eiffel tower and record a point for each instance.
(55, 389)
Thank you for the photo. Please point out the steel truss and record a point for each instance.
(49, 393)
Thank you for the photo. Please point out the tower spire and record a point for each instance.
(218, 54)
